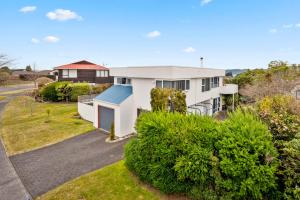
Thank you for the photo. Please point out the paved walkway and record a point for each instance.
(46, 168)
(11, 187)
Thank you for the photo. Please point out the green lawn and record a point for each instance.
(114, 182)
(25, 125)
(2, 98)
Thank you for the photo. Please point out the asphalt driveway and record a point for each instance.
(44, 169)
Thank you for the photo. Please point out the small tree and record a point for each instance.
(28, 68)
(112, 132)
(165, 99)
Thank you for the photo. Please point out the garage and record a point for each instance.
(106, 118)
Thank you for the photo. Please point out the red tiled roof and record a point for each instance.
(82, 65)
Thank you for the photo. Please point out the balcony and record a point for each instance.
(229, 89)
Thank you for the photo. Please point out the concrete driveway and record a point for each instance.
(44, 169)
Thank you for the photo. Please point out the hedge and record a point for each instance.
(64, 91)
(204, 158)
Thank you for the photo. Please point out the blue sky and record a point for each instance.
(227, 33)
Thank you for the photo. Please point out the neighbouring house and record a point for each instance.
(83, 71)
(130, 94)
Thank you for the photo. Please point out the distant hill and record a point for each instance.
(234, 72)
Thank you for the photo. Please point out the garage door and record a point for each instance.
(106, 118)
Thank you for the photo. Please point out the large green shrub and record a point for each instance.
(247, 157)
(281, 114)
(48, 92)
(64, 91)
(79, 89)
(204, 158)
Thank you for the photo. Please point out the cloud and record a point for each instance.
(28, 9)
(35, 40)
(205, 2)
(63, 15)
(273, 31)
(288, 26)
(153, 34)
(298, 25)
(189, 50)
(51, 39)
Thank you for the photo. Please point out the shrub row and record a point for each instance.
(68, 91)
(204, 158)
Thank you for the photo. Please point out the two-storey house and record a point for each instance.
(121, 103)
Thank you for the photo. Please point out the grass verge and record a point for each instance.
(26, 126)
(114, 182)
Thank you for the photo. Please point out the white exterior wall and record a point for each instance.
(128, 114)
(117, 118)
(86, 111)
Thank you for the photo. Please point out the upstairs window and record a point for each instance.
(178, 85)
(102, 73)
(215, 82)
(205, 84)
(124, 81)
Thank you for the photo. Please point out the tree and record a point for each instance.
(28, 68)
(4, 60)
(5, 69)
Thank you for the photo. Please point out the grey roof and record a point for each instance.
(116, 94)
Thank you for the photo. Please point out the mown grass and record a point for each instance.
(26, 126)
(114, 182)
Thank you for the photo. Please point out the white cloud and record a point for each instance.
(189, 50)
(298, 25)
(51, 39)
(63, 15)
(35, 40)
(273, 31)
(288, 26)
(27, 9)
(153, 34)
(205, 2)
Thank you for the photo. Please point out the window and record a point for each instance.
(215, 82)
(178, 85)
(298, 94)
(216, 104)
(102, 73)
(69, 73)
(159, 84)
(124, 81)
(205, 84)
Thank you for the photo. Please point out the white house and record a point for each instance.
(121, 103)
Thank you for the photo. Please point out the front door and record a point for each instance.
(106, 118)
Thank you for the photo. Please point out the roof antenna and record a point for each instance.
(201, 60)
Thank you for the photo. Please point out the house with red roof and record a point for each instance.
(83, 71)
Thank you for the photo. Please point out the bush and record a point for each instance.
(281, 114)
(49, 92)
(43, 81)
(165, 99)
(4, 76)
(79, 89)
(195, 155)
(97, 89)
(246, 154)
